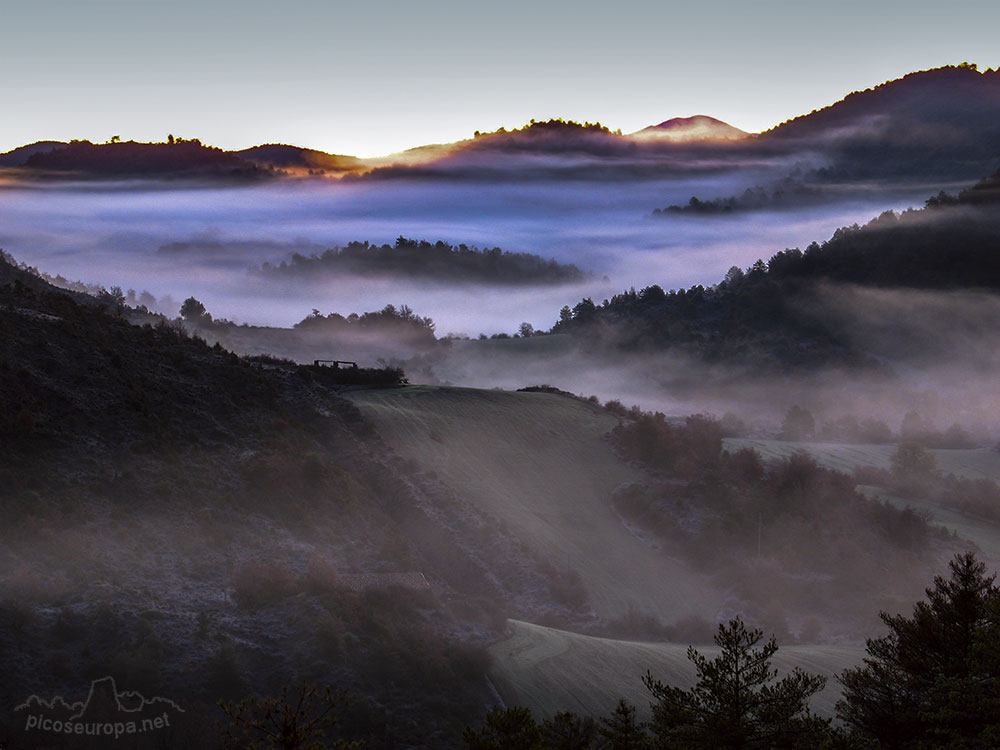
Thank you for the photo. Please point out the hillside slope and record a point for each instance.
(933, 122)
(18, 156)
(538, 464)
(177, 518)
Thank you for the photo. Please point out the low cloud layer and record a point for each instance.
(127, 234)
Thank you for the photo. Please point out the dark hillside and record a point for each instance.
(18, 156)
(938, 122)
(200, 525)
(188, 158)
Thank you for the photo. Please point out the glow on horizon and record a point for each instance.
(380, 77)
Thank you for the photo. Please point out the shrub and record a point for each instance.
(304, 717)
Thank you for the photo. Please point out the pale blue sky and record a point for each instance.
(381, 75)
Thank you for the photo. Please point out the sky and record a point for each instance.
(379, 76)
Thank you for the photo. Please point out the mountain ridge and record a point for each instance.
(942, 123)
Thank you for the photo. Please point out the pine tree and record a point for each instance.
(622, 731)
(505, 729)
(738, 702)
(567, 731)
(934, 679)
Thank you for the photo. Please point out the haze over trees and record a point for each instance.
(729, 513)
(770, 314)
(787, 193)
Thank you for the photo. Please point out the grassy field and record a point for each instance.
(552, 670)
(538, 463)
(976, 463)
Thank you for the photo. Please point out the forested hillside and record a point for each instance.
(773, 314)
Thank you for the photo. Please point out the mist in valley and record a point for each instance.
(200, 241)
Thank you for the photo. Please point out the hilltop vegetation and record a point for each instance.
(177, 157)
(420, 259)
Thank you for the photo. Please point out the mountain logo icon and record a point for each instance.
(107, 712)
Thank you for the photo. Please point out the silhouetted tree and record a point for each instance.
(505, 729)
(622, 730)
(738, 702)
(934, 680)
(192, 310)
(114, 297)
(798, 424)
(298, 719)
(567, 731)
(875, 431)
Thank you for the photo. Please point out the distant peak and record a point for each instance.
(685, 122)
(696, 128)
